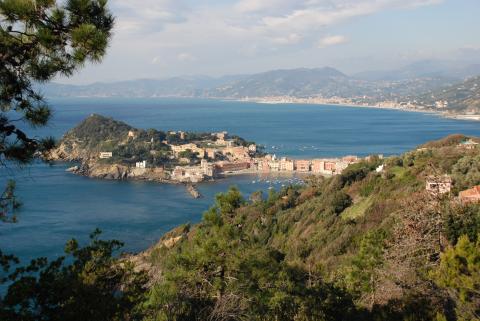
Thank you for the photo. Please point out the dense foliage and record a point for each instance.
(364, 245)
(88, 284)
(38, 41)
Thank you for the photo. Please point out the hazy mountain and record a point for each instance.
(437, 69)
(293, 82)
(186, 86)
(409, 83)
(461, 97)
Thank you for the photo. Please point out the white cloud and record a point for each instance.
(332, 41)
(230, 34)
(290, 39)
(186, 57)
(156, 60)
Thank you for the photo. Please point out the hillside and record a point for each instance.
(295, 82)
(364, 245)
(325, 82)
(462, 97)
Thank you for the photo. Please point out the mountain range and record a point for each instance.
(425, 81)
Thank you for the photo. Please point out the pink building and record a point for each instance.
(302, 165)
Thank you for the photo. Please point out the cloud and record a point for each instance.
(290, 39)
(332, 41)
(149, 16)
(156, 60)
(186, 57)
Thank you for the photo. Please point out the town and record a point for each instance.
(222, 155)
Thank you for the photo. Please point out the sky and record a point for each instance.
(165, 38)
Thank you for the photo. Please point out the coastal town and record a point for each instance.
(209, 159)
(439, 106)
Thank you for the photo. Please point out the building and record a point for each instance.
(222, 135)
(341, 166)
(192, 174)
(287, 165)
(142, 164)
(237, 153)
(318, 166)
(471, 195)
(330, 166)
(302, 165)
(252, 148)
(224, 167)
(211, 152)
(468, 144)
(274, 165)
(177, 149)
(207, 168)
(439, 184)
(350, 159)
(132, 134)
(105, 155)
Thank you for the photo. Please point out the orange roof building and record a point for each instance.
(471, 195)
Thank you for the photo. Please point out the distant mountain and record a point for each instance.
(437, 69)
(294, 82)
(423, 83)
(463, 97)
(188, 86)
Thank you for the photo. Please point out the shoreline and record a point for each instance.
(463, 117)
(443, 114)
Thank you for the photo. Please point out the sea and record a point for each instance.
(58, 206)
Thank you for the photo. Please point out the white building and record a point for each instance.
(105, 155)
(141, 164)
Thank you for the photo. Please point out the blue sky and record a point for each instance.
(164, 38)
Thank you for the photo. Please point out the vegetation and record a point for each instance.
(363, 245)
(88, 284)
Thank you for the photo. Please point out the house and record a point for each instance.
(468, 144)
(471, 195)
(142, 164)
(302, 165)
(439, 184)
(132, 134)
(105, 155)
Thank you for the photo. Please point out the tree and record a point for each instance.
(40, 39)
(89, 284)
(459, 274)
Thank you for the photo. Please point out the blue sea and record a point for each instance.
(58, 206)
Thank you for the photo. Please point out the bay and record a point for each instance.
(58, 206)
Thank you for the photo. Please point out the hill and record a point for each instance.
(462, 97)
(368, 244)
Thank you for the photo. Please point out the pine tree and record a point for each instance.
(40, 39)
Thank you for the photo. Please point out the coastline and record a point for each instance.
(442, 114)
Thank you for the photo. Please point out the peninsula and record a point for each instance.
(109, 149)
